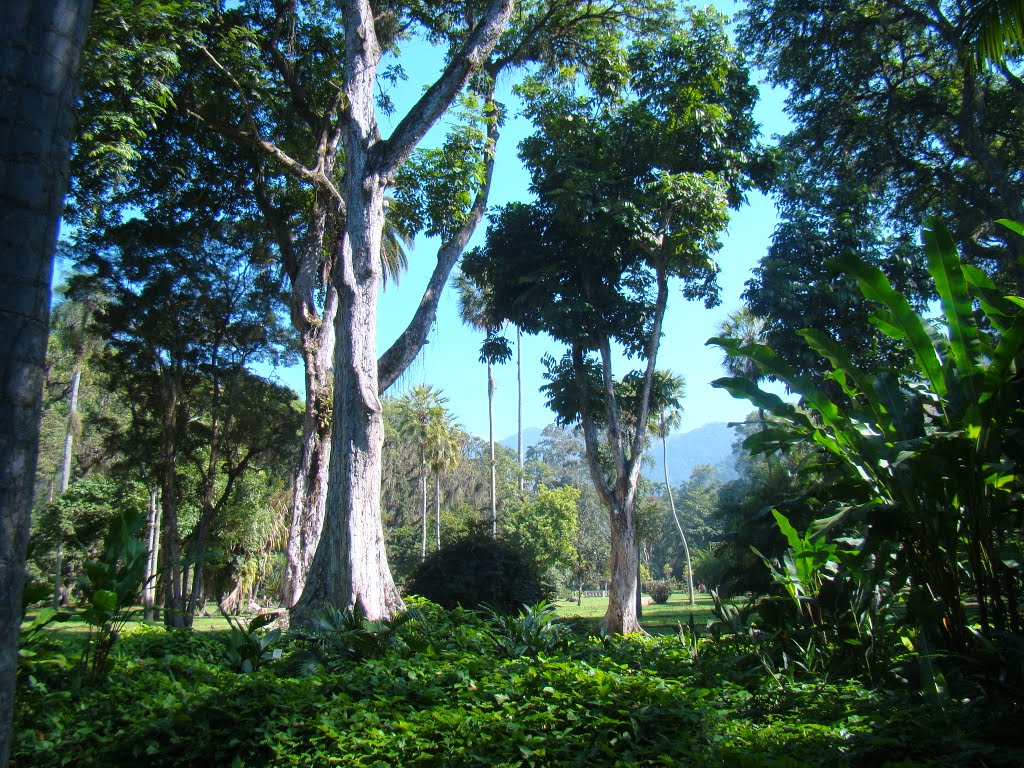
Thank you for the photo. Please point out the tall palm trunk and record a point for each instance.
(490, 432)
(65, 481)
(40, 52)
(423, 497)
(519, 385)
(672, 506)
(437, 506)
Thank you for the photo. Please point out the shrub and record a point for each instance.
(660, 591)
(479, 570)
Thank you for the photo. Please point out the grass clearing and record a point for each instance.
(656, 619)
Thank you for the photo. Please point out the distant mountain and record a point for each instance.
(709, 444)
(531, 436)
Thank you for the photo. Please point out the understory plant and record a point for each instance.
(337, 637)
(930, 457)
(246, 646)
(111, 587)
(532, 631)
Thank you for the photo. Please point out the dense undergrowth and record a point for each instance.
(453, 688)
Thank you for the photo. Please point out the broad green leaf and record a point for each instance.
(1013, 226)
(944, 267)
(875, 287)
(104, 600)
(841, 361)
(1001, 369)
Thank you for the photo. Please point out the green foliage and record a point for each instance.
(931, 462)
(80, 518)
(39, 655)
(878, 118)
(544, 524)
(336, 638)
(584, 702)
(479, 570)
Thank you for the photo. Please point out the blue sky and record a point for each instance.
(449, 361)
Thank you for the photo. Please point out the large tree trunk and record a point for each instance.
(622, 617)
(40, 50)
(350, 569)
(311, 474)
(172, 573)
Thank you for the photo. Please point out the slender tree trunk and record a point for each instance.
(423, 499)
(65, 481)
(519, 386)
(174, 576)
(672, 506)
(153, 549)
(40, 50)
(490, 432)
(311, 474)
(437, 506)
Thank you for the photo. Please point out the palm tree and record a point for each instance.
(994, 29)
(395, 243)
(418, 413)
(475, 311)
(445, 453)
(747, 328)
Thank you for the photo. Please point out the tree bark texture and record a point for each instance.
(311, 474)
(40, 52)
(172, 574)
(350, 568)
(519, 393)
(152, 548)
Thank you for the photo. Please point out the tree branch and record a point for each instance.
(390, 154)
(403, 351)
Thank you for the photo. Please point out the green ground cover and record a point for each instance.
(453, 688)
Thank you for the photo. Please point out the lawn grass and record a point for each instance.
(656, 619)
(75, 631)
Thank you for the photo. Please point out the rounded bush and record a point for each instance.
(479, 570)
(660, 591)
